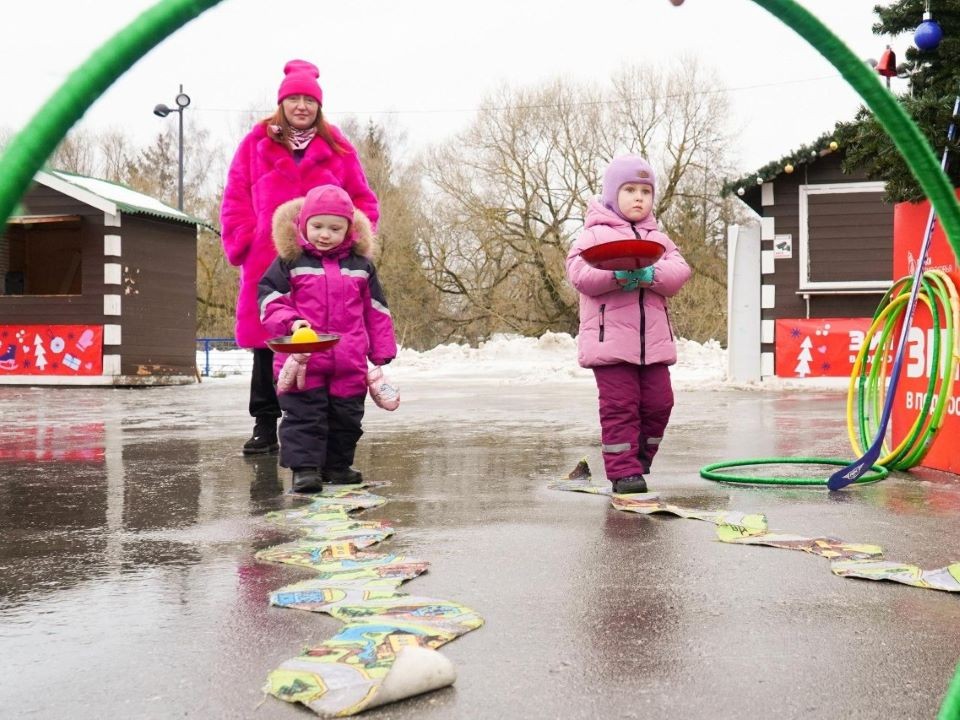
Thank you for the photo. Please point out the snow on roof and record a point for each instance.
(126, 199)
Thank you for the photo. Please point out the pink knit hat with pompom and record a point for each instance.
(301, 79)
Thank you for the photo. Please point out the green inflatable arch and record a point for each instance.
(29, 150)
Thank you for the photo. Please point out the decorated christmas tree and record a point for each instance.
(932, 66)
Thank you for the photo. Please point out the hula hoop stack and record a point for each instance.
(866, 393)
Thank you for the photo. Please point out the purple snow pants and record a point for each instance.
(635, 405)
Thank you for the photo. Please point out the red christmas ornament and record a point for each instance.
(888, 63)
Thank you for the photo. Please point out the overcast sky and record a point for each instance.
(424, 65)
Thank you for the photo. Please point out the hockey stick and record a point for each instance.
(856, 469)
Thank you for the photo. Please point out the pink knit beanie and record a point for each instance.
(301, 79)
(325, 200)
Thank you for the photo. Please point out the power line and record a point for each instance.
(593, 103)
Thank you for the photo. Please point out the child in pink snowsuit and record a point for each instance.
(625, 334)
(324, 278)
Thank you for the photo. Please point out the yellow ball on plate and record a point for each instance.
(304, 335)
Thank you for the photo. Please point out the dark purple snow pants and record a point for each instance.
(319, 430)
(635, 405)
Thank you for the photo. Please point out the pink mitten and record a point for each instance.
(383, 393)
(293, 374)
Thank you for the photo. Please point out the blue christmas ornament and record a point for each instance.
(928, 34)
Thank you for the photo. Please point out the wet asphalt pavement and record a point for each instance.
(128, 587)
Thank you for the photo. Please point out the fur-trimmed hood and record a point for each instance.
(360, 237)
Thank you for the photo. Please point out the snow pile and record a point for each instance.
(507, 360)
(510, 359)
(217, 363)
(515, 360)
(699, 365)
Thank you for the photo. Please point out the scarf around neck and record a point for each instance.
(297, 139)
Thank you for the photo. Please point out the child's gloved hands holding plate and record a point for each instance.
(633, 279)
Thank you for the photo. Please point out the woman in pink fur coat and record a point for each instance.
(280, 159)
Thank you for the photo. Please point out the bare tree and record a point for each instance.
(116, 151)
(510, 191)
(154, 170)
(414, 302)
(678, 118)
(510, 195)
(216, 287)
(76, 153)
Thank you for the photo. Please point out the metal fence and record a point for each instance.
(221, 356)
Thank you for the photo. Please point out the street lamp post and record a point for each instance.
(182, 100)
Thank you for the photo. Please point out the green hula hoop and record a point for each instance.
(950, 710)
(939, 295)
(708, 472)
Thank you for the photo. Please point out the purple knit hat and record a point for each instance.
(325, 200)
(301, 79)
(622, 170)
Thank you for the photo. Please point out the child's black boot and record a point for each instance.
(630, 485)
(342, 476)
(306, 480)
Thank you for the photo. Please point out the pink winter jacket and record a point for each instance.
(336, 291)
(623, 326)
(263, 176)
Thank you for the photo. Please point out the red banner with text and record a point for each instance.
(51, 350)
(909, 225)
(818, 347)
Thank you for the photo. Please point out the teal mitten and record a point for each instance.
(644, 275)
(634, 278)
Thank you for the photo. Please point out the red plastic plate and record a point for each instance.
(285, 344)
(623, 254)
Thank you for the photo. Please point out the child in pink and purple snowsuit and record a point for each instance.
(324, 278)
(625, 333)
